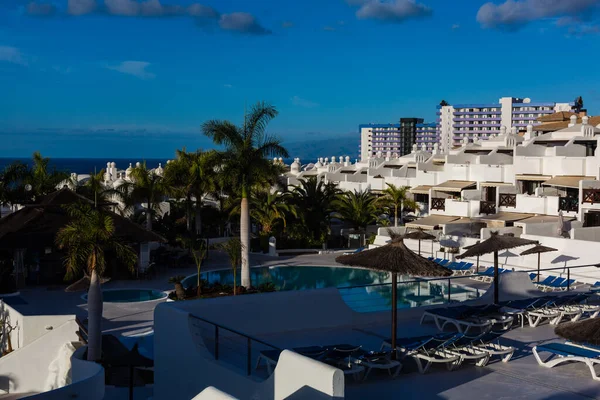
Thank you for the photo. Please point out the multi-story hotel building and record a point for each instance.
(479, 121)
(427, 134)
(394, 139)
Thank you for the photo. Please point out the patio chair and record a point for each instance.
(436, 352)
(595, 287)
(532, 276)
(484, 275)
(347, 253)
(465, 319)
(555, 284)
(565, 352)
(463, 346)
(546, 281)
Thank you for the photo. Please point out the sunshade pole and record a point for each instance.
(538, 274)
(394, 312)
(419, 246)
(496, 284)
(477, 265)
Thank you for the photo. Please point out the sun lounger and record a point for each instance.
(555, 284)
(347, 253)
(381, 360)
(436, 352)
(489, 342)
(546, 281)
(485, 275)
(466, 319)
(564, 352)
(532, 276)
(463, 346)
(595, 287)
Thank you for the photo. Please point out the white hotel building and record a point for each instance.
(479, 121)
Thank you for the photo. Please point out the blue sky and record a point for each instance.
(122, 78)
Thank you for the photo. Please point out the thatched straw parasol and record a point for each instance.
(419, 235)
(397, 259)
(494, 244)
(587, 331)
(539, 249)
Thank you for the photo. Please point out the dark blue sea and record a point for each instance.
(89, 165)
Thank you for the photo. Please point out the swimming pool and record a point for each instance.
(376, 297)
(129, 295)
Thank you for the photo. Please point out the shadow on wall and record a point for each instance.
(6, 329)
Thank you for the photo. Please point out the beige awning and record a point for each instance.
(567, 181)
(537, 178)
(465, 220)
(505, 217)
(423, 189)
(431, 222)
(491, 184)
(454, 186)
(541, 219)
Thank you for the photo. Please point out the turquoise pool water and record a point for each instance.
(129, 295)
(376, 297)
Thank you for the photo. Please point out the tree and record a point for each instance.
(245, 163)
(197, 248)
(42, 179)
(192, 175)
(233, 248)
(146, 188)
(579, 103)
(96, 190)
(397, 199)
(444, 103)
(313, 200)
(357, 208)
(268, 210)
(87, 239)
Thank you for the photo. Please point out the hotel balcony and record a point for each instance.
(457, 126)
(477, 112)
(476, 119)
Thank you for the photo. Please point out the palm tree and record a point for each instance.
(12, 186)
(358, 208)
(146, 188)
(444, 103)
(41, 178)
(268, 210)
(197, 248)
(245, 163)
(87, 239)
(397, 198)
(95, 190)
(313, 199)
(233, 248)
(192, 175)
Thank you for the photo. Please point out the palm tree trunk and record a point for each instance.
(188, 213)
(149, 216)
(245, 239)
(396, 215)
(94, 318)
(198, 217)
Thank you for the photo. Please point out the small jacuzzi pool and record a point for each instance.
(130, 295)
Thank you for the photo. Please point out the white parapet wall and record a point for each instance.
(26, 370)
(178, 343)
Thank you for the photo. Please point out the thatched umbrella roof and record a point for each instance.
(394, 257)
(587, 331)
(419, 234)
(495, 243)
(538, 250)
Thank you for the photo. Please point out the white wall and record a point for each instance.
(178, 343)
(26, 369)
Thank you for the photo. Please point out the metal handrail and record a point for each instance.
(249, 340)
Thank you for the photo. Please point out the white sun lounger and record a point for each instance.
(563, 352)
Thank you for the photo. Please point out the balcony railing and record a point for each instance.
(487, 207)
(438, 204)
(568, 204)
(591, 196)
(508, 200)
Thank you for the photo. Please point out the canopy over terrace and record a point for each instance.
(571, 182)
(541, 219)
(422, 189)
(431, 222)
(455, 186)
(503, 219)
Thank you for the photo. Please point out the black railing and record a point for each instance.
(487, 207)
(591, 196)
(239, 343)
(569, 204)
(438, 204)
(507, 200)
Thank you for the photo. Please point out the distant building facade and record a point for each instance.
(393, 139)
(427, 136)
(481, 120)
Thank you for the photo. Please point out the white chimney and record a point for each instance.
(573, 121)
(513, 130)
(585, 120)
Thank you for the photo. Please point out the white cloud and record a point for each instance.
(242, 23)
(396, 11)
(300, 102)
(228, 86)
(12, 55)
(514, 14)
(134, 68)
(455, 27)
(81, 7)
